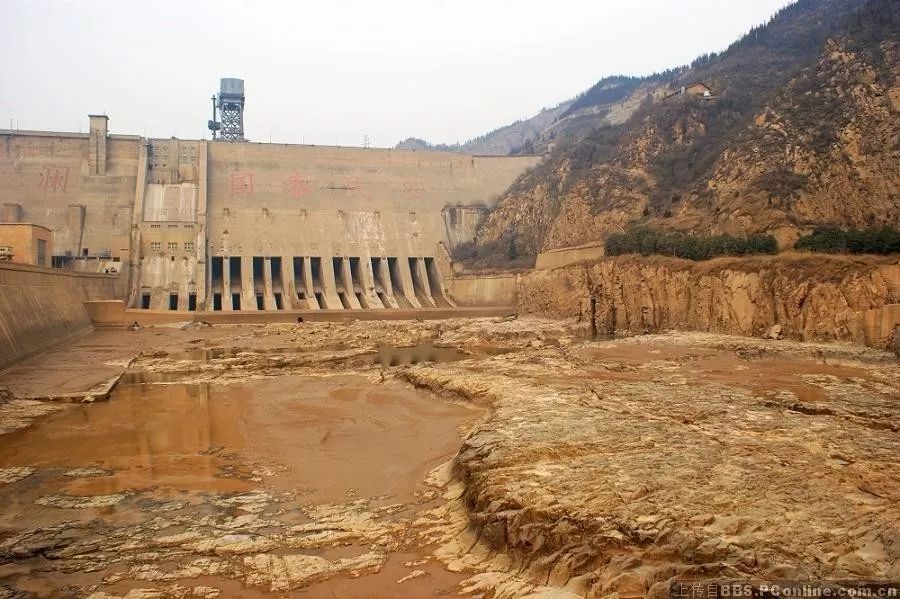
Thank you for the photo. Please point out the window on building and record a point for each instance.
(189, 226)
(42, 252)
(155, 246)
(155, 226)
(189, 246)
(173, 226)
(173, 246)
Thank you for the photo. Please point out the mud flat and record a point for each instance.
(254, 486)
(618, 467)
(483, 457)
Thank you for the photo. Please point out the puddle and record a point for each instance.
(426, 352)
(205, 355)
(225, 353)
(147, 377)
(292, 451)
(300, 432)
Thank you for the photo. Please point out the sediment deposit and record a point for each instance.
(494, 458)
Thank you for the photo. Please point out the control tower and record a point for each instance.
(230, 106)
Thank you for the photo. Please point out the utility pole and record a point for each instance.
(213, 124)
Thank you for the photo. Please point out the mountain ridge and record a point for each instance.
(502, 141)
(800, 129)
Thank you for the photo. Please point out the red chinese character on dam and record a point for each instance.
(54, 178)
(241, 183)
(354, 183)
(298, 186)
(413, 190)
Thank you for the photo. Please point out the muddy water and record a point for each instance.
(426, 352)
(762, 375)
(193, 436)
(330, 440)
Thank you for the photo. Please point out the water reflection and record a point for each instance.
(205, 354)
(299, 432)
(146, 433)
(147, 377)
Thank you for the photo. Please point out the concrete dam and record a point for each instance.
(191, 225)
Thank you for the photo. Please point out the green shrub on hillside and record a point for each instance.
(500, 253)
(875, 240)
(647, 241)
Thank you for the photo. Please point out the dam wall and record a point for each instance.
(812, 297)
(307, 227)
(46, 179)
(194, 225)
(40, 307)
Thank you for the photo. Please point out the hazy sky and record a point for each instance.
(330, 72)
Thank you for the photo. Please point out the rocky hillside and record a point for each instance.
(800, 127)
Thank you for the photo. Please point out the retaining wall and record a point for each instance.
(40, 307)
(590, 252)
(483, 289)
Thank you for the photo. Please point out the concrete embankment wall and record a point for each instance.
(813, 297)
(40, 307)
(497, 289)
(557, 258)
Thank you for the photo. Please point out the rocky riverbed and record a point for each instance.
(487, 458)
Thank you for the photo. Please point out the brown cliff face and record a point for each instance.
(803, 130)
(812, 298)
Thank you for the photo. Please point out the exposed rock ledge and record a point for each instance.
(611, 469)
(813, 298)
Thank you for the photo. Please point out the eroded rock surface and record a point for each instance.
(595, 467)
(614, 466)
(17, 414)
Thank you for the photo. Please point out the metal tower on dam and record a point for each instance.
(229, 104)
